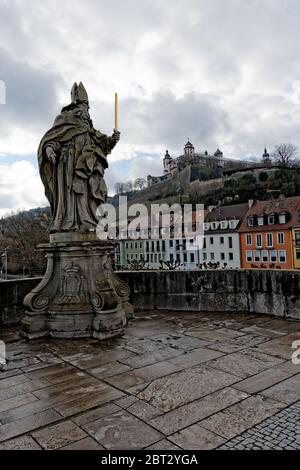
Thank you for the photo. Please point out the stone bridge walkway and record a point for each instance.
(173, 381)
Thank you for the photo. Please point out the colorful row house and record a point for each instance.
(269, 236)
(260, 234)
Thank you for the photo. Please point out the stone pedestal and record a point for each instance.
(79, 296)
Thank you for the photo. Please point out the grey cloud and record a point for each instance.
(30, 93)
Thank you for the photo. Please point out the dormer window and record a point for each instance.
(224, 224)
(206, 226)
(214, 225)
(282, 218)
(260, 220)
(233, 224)
(271, 219)
(250, 221)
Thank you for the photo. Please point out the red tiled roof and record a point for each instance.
(290, 205)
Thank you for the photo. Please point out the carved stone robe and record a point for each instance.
(74, 185)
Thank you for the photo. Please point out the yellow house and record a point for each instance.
(296, 247)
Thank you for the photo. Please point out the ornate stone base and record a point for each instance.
(79, 296)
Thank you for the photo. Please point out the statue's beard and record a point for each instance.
(84, 117)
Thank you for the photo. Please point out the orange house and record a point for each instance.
(266, 236)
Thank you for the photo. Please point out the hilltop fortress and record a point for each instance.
(216, 162)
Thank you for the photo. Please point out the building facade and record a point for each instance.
(266, 235)
(221, 239)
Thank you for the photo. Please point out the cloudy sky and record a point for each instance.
(225, 73)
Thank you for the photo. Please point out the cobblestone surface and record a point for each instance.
(174, 380)
(280, 432)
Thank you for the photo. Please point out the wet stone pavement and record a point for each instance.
(175, 380)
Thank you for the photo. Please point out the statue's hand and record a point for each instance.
(116, 135)
(51, 154)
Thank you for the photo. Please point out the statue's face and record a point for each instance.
(82, 112)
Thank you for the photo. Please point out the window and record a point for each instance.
(273, 256)
(248, 239)
(212, 256)
(256, 256)
(271, 219)
(222, 256)
(131, 245)
(260, 221)
(171, 243)
(192, 258)
(282, 218)
(259, 240)
(178, 257)
(135, 246)
(231, 256)
(184, 257)
(265, 256)
(157, 245)
(297, 254)
(297, 238)
(204, 242)
(280, 238)
(222, 240)
(211, 240)
(249, 256)
(163, 245)
(269, 239)
(230, 242)
(126, 244)
(282, 256)
(141, 245)
(171, 257)
(205, 256)
(250, 221)
(152, 246)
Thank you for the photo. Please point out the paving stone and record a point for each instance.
(259, 330)
(164, 444)
(21, 426)
(238, 344)
(143, 410)
(196, 438)
(29, 408)
(12, 381)
(194, 358)
(214, 335)
(281, 347)
(84, 444)
(109, 370)
(59, 435)
(287, 391)
(186, 343)
(126, 401)
(101, 359)
(96, 414)
(240, 364)
(139, 376)
(261, 381)
(244, 415)
(15, 402)
(197, 410)
(20, 443)
(153, 357)
(181, 388)
(9, 373)
(20, 389)
(122, 431)
(101, 394)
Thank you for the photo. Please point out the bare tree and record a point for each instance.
(140, 183)
(285, 155)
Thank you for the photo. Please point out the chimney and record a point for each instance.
(250, 203)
